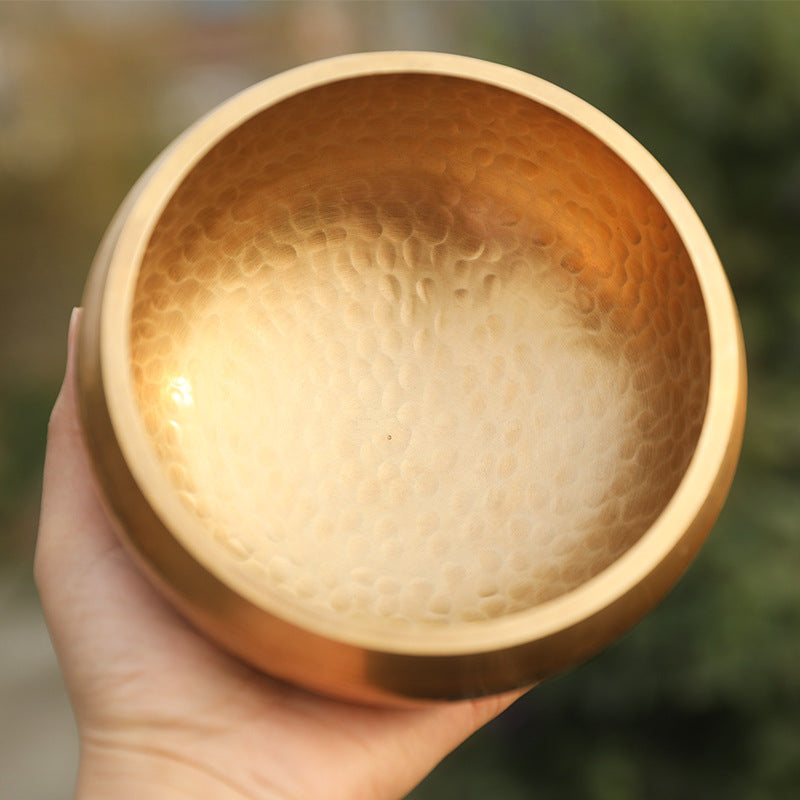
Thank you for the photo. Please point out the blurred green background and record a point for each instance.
(702, 699)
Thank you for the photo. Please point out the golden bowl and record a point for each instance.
(408, 376)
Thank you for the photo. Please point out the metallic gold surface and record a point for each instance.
(409, 376)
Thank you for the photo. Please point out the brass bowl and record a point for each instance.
(408, 376)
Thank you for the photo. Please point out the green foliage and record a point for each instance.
(23, 421)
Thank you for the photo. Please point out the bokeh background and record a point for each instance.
(702, 699)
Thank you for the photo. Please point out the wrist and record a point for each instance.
(110, 772)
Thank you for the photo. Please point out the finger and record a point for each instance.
(395, 748)
(73, 528)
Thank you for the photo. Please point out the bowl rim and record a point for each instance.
(640, 576)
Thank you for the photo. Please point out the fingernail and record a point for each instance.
(73, 326)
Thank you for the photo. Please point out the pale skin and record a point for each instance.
(162, 713)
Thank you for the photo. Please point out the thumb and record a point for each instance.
(70, 502)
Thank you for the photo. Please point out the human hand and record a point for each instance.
(161, 712)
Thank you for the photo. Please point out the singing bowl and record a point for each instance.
(408, 376)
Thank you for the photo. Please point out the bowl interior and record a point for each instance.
(417, 350)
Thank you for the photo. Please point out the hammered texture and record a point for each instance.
(414, 349)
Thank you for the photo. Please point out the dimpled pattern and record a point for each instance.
(418, 350)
